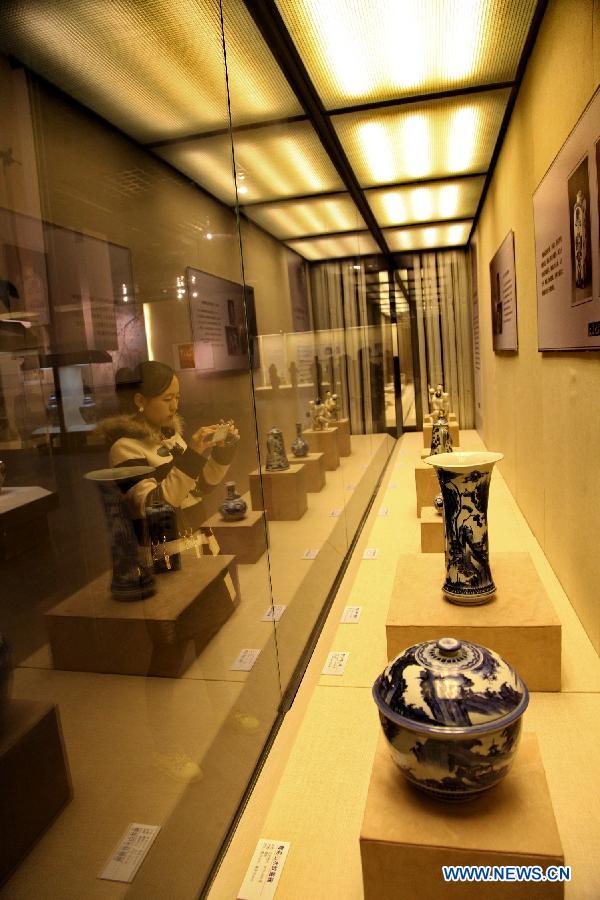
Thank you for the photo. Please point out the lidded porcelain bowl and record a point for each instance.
(451, 714)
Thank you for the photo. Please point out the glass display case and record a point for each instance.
(162, 581)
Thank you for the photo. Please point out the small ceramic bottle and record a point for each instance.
(233, 507)
(299, 446)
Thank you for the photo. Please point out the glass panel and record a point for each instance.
(157, 651)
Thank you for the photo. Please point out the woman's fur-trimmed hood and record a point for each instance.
(132, 426)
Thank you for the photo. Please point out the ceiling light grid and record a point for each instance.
(310, 216)
(453, 199)
(429, 237)
(272, 163)
(335, 247)
(421, 141)
(366, 51)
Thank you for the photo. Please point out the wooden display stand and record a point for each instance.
(245, 539)
(34, 777)
(432, 530)
(343, 427)
(23, 518)
(283, 493)
(92, 632)
(406, 836)
(325, 442)
(454, 433)
(314, 472)
(519, 622)
(426, 484)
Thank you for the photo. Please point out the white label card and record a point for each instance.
(384, 511)
(392, 486)
(262, 875)
(274, 613)
(351, 615)
(310, 554)
(370, 553)
(244, 661)
(129, 853)
(350, 487)
(336, 662)
(364, 466)
(335, 513)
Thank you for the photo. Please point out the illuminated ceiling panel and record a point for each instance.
(299, 218)
(155, 70)
(271, 163)
(422, 140)
(455, 234)
(371, 50)
(455, 199)
(335, 247)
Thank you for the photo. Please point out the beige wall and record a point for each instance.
(541, 410)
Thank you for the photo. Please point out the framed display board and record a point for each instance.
(567, 241)
(219, 311)
(503, 295)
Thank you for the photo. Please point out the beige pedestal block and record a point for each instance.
(343, 427)
(426, 451)
(34, 778)
(432, 530)
(23, 518)
(454, 433)
(406, 836)
(519, 622)
(452, 417)
(426, 484)
(314, 471)
(245, 539)
(90, 631)
(325, 442)
(281, 494)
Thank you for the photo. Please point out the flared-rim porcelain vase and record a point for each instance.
(465, 484)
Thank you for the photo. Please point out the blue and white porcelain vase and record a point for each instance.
(233, 508)
(299, 445)
(451, 714)
(441, 441)
(465, 484)
(276, 455)
(132, 577)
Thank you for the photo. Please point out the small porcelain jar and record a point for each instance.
(233, 508)
(451, 713)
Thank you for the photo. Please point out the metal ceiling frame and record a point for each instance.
(273, 29)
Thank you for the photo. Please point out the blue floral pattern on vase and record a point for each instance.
(451, 713)
(276, 456)
(441, 440)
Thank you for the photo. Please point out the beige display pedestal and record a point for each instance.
(519, 622)
(314, 471)
(34, 777)
(23, 518)
(281, 494)
(406, 836)
(432, 530)
(245, 539)
(426, 451)
(325, 442)
(343, 427)
(426, 484)
(92, 632)
(452, 417)
(454, 433)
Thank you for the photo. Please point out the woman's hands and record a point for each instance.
(209, 436)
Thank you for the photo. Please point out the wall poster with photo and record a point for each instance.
(503, 296)
(222, 313)
(566, 208)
